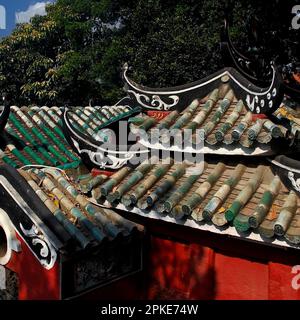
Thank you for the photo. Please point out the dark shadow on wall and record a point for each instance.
(180, 271)
(9, 284)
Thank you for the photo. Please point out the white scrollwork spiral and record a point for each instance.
(46, 247)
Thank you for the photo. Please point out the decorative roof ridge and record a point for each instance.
(257, 99)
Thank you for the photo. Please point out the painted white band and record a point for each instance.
(13, 244)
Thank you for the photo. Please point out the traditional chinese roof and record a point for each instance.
(59, 224)
(87, 223)
(34, 136)
(43, 201)
(242, 199)
(237, 196)
(222, 122)
(258, 69)
(221, 114)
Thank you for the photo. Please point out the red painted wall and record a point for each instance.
(192, 271)
(178, 270)
(238, 278)
(35, 282)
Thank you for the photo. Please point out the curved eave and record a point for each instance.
(95, 153)
(4, 116)
(178, 98)
(232, 150)
(233, 57)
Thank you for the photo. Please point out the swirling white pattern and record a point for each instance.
(155, 102)
(46, 247)
(295, 183)
(117, 163)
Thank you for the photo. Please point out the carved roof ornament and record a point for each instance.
(259, 100)
(4, 114)
(259, 69)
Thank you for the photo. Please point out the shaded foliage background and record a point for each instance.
(75, 54)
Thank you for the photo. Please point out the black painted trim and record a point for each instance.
(4, 116)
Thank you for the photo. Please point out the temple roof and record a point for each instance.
(222, 122)
(39, 166)
(238, 196)
(248, 206)
(34, 136)
(87, 223)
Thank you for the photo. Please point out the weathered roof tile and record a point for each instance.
(34, 136)
(87, 223)
(221, 120)
(246, 196)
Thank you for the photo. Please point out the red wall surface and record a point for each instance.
(192, 271)
(198, 265)
(35, 282)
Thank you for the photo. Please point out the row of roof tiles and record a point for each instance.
(34, 135)
(87, 223)
(248, 197)
(220, 120)
(222, 194)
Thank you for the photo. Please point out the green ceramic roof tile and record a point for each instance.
(58, 142)
(225, 195)
(34, 136)
(221, 120)
(6, 159)
(247, 197)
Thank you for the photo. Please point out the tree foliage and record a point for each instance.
(75, 53)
